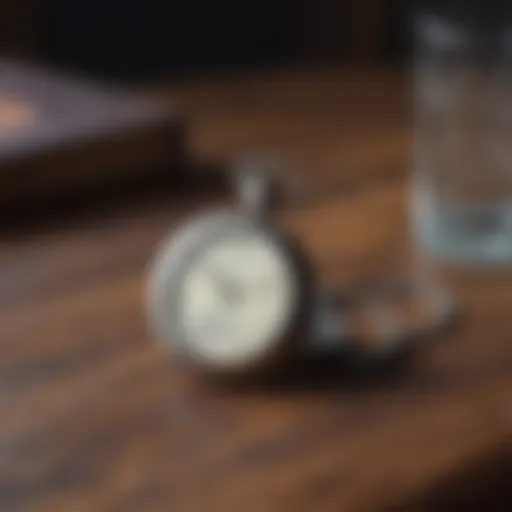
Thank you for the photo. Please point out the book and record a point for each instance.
(61, 134)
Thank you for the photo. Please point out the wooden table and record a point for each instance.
(95, 417)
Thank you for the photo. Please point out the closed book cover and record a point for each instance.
(59, 131)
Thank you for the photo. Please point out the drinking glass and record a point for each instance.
(462, 179)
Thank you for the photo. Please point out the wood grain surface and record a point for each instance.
(96, 417)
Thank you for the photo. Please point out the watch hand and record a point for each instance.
(230, 291)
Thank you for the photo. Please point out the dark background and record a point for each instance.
(145, 39)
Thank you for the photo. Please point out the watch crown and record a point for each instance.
(258, 184)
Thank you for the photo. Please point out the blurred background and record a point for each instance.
(168, 51)
(129, 39)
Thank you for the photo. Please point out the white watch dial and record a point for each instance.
(237, 299)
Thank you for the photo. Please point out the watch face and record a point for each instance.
(231, 298)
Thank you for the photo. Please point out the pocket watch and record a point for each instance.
(235, 294)
(230, 290)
